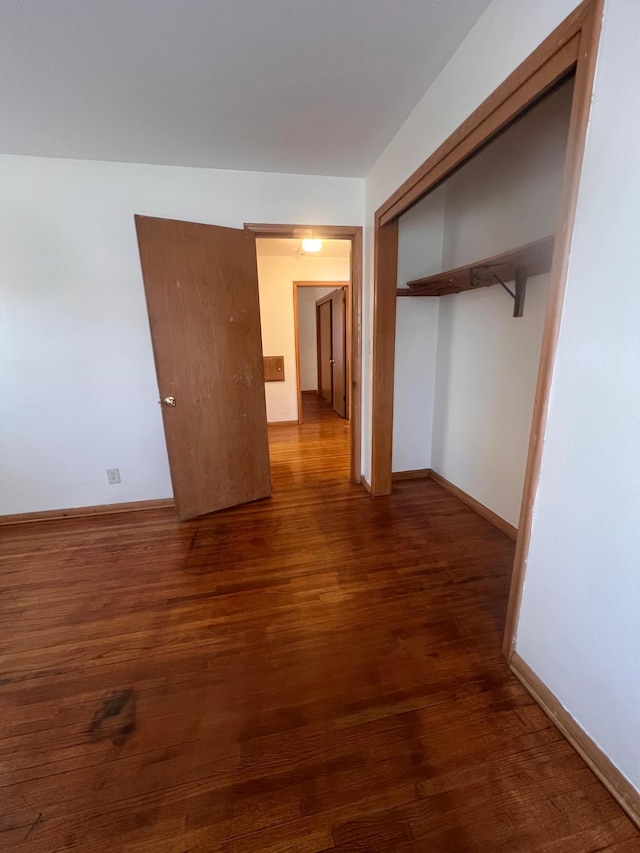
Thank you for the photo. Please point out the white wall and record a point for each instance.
(487, 365)
(307, 298)
(495, 46)
(508, 194)
(276, 274)
(420, 237)
(78, 386)
(487, 362)
(579, 625)
(464, 407)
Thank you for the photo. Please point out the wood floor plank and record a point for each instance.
(319, 671)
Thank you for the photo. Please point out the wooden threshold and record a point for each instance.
(534, 257)
(475, 505)
(617, 784)
(282, 423)
(83, 511)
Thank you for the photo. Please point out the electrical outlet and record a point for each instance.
(113, 476)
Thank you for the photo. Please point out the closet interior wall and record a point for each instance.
(465, 370)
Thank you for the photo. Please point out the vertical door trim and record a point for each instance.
(385, 272)
(571, 47)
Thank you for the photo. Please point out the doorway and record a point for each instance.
(204, 314)
(304, 313)
(348, 275)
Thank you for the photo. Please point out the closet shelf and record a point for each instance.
(531, 259)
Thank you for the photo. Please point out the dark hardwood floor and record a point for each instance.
(320, 671)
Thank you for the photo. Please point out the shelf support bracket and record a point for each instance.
(521, 289)
(520, 282)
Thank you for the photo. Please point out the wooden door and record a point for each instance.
(325, 336)
(338, 349)
(201, 285)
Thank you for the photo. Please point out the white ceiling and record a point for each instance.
(292, 248)
(307, 86)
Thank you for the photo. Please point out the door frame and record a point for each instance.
(571, 48)
(334, 285)
(353, 233)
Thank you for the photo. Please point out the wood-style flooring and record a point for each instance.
(320, 671)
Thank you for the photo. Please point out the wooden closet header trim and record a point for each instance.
(547, 65)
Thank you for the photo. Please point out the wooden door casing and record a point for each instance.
(201, 286)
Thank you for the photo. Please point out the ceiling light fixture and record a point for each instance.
(311, 245)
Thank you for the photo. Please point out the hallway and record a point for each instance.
(319, 671)
(314, 452)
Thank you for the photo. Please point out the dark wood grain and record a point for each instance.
(317, 672)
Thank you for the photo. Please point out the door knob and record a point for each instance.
(332, 361)
(170, 401)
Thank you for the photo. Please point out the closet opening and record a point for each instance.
(474, 257)
(570, 51)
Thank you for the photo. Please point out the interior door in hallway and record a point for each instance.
(201, 286)
(338, 349)
(332, 349)
(325, 338)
